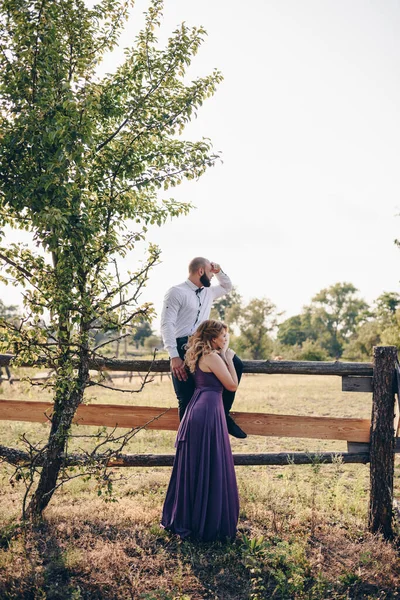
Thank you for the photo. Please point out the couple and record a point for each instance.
(202, 498)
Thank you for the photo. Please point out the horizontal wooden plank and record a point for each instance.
(15, 456)
(321, 428)
(111, 415)
(21, 410)
(285, 367)
(108, 415)
(356, 384)
(356, 447)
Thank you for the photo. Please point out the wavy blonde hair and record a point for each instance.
(200, 343)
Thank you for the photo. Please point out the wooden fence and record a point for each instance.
(374, 441)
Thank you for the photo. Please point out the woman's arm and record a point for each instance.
(228, 358)
(227, 355)
(223, 369)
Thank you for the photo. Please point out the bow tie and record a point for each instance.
(197, 292)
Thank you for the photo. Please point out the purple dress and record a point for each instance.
(202, 499)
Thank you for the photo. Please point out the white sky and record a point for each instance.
(308, 122)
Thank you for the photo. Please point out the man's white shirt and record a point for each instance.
(184, 309)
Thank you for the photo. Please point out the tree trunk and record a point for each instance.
(382, 442)
(65, 407)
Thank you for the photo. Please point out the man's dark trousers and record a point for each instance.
(184, 389)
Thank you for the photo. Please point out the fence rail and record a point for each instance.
(270, 367)
(19, 457)
(128, 416)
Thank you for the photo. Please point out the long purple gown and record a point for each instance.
(202, 500)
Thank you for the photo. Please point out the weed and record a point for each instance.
(281, 565)
(253, 554)
(157, 595)
(349, 579)
(7, 532)
(316, 465)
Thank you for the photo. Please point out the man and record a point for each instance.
(186, 306)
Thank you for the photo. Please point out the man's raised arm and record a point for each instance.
(224, 283)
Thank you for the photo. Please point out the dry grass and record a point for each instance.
(302, 529)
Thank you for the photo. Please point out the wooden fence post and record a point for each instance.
(382, 442)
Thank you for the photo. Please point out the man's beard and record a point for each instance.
(206, 281)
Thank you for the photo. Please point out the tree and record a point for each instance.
(381, 328)
(386, 306)
(153, 342)
(290, 332)
(9, 312)
(81, 159)
(311, 350)
(257, 321)
(361, 344)
(336, 312)
(296, 330)
(325, 327)
(143, 331)
(227, 308)
(387, 314)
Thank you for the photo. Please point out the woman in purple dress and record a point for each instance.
(202, 500)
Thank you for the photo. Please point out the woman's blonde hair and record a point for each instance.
(200, 343)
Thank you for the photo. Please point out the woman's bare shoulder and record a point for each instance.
(212, 359)
(206, 363)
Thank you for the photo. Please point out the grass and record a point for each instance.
(302, 529)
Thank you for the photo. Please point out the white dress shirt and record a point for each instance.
(184, 309)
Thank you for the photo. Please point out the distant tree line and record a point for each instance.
(337, 324)
(142, 339)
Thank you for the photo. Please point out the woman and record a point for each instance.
(202, 500)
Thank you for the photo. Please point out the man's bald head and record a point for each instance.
(197, 263)
(201, 271)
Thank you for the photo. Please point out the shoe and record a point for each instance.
(234, 429)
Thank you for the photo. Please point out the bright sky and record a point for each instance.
(308, 123)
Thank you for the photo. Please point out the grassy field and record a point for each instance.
(302, 529)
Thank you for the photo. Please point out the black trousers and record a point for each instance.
(184, 389)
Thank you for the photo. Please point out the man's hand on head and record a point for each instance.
(178, 369)
(215, 268)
